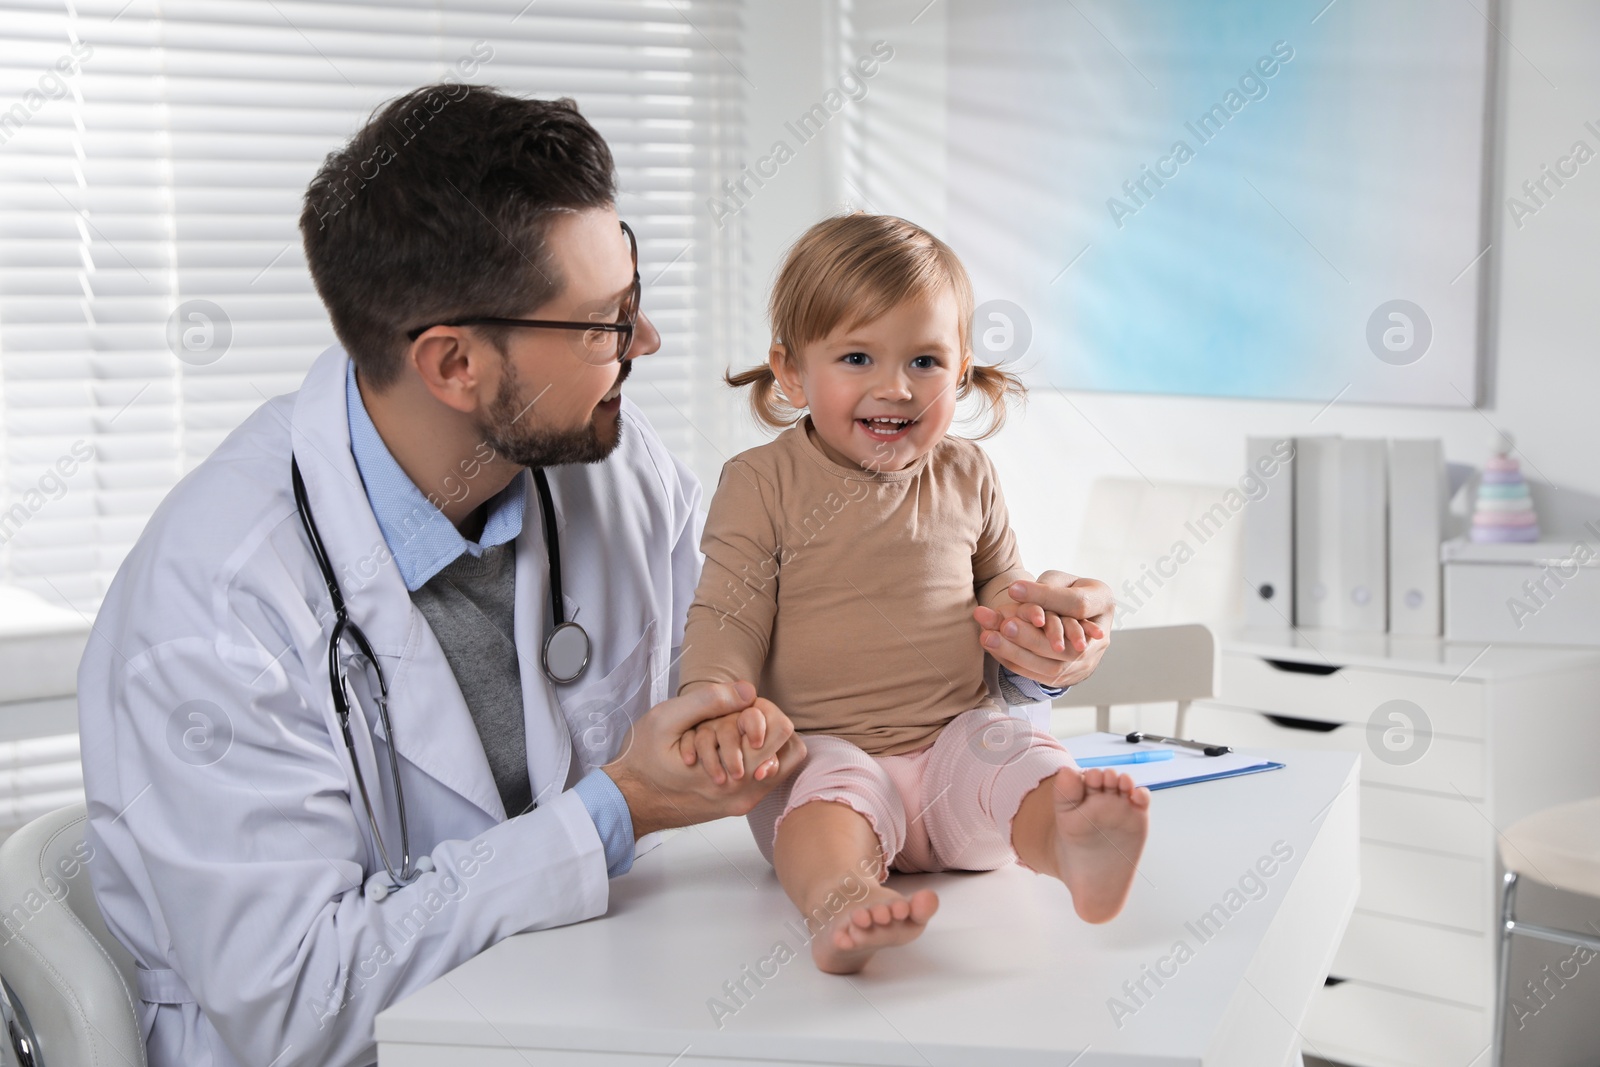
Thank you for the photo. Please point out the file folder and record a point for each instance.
(1417, 502)
(1269, 534)
(1186, 767)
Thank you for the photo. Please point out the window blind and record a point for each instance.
(152, 160)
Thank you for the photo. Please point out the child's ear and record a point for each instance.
(788, 375)
(965, 376)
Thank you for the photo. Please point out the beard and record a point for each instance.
(508, 430)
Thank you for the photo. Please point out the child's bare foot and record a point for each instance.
(883, 919)
(1101, 821)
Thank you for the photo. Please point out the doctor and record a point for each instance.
(385, 678)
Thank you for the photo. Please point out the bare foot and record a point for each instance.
(883, 919)
(1101, 822)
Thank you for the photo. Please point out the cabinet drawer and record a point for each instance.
(1426, 887)
(1358, 1024)
(1418, 959)
(1424, 820)
(1451, 766)
(1350, 694)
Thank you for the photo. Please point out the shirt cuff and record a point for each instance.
(612, 819)
(1030, 691)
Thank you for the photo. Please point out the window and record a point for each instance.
(152, 161)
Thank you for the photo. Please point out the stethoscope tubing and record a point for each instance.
(342, 625)
(561, 629)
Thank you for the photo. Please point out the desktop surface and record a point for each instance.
(1244, 890)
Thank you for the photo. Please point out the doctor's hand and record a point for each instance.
(725, 746)
(1085, 607)
(663, 791)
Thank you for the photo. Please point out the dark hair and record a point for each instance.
(437, 208)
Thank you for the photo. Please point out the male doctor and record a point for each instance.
(250, 849)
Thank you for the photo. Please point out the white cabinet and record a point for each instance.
(1456, 741)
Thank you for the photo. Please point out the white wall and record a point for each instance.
(1544, 383)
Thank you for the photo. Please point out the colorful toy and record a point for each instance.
(1504, 509)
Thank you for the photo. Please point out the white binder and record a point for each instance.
(1363, 534)
(1316, 532)
(1269, 534)
(1418, 497)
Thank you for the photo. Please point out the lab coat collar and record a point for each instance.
(422, 541)
(433, 728)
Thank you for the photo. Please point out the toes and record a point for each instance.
(924, 902)
(1070, 785)
(900, 910)
(861, 917)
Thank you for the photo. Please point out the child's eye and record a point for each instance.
(925, 362)
(856, 359)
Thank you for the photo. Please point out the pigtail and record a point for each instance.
(767, 401)
(998, 388)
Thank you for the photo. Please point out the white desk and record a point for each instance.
(1005, 974)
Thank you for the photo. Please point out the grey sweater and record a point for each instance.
(469, 606)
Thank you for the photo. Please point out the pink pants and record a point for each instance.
(944, 807)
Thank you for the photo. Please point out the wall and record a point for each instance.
(1543, 385)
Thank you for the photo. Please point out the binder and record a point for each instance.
(1418, 496)
(1363, 527)
(1317, 492)
(1269, 534)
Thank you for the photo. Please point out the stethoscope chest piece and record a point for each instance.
(566, 653)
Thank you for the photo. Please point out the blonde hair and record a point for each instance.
(849, 270)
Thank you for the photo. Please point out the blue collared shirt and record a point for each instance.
(423, 542)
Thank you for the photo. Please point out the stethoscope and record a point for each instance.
(563, 659)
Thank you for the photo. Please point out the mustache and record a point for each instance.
(623, 372)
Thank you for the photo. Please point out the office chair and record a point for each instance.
(67, 987)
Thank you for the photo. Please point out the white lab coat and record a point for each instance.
(230, 849)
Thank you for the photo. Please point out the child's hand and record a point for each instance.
(1007, 615)
(724, 745)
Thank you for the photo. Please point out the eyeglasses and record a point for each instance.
(599, 343)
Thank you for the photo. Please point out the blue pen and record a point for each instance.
(1155, 756)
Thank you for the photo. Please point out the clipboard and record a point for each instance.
(1186, 767)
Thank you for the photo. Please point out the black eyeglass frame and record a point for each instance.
(627, 317)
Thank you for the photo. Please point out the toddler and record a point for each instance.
(847, 564)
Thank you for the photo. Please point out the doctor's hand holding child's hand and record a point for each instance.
(1023, 636)
(725, 746)
(662, 790)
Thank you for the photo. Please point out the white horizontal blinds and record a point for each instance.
(54, 271)
(171, 172)
(662, 82)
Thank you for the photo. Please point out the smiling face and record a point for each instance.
(559, 399)
(882, 393)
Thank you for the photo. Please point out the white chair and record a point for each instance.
(1171, 552)
(1134, 534)
(1150, 665)
(1551, 861)
(66, 985)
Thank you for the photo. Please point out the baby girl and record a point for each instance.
(848, 564)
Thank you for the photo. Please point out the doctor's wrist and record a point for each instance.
(648, 808)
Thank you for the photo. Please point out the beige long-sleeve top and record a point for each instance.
(846, 595)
